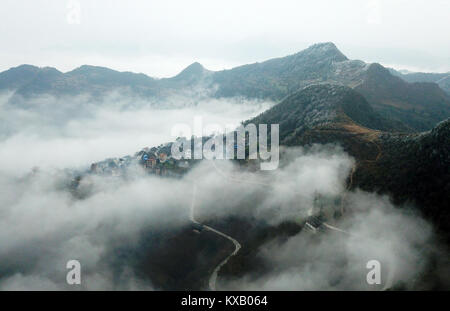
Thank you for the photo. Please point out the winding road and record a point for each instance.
(237, 246)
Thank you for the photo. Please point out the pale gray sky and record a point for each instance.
(160, 38)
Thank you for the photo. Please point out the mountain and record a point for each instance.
(323, 105)
(191, 74)
(328, 113)
(94, 75)
(16, 77)
(419, 105)
(44, 79)
(194, 78)
(83, 80)
(442, 79)
(279, 77)
(412, 168)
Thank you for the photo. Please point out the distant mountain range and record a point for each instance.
(419, 105)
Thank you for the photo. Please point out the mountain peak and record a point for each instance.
(376, 67)
(325, 50)
(195, 65)
(324, 45)
(22, 69)
(52, 70)
(15, 77)
(86, 69)
(193, 71)
(25, 67)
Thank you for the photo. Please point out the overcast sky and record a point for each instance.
(160, 38)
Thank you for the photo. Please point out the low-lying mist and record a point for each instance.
(51, 132)
(44, 223)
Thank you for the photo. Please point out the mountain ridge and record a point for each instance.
(419, 105)
(323, 104)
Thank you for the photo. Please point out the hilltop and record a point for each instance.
(323, 105)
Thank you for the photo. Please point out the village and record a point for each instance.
(154, 161)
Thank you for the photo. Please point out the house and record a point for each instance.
(144, 157)
(152, 162)
(162, 157)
